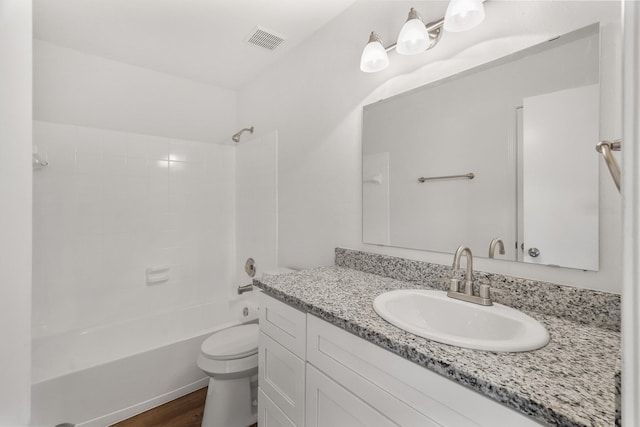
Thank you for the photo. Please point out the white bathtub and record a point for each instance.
(99, 376)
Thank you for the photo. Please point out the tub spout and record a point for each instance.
(245, 288)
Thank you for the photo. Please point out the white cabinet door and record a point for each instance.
(269, 415)
(330, 405)
(281, 377)
(283, 323)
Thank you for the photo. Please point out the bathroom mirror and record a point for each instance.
(504, 150)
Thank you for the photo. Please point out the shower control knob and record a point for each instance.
(534, 252)
(250, 267)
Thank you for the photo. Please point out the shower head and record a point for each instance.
(236, 137)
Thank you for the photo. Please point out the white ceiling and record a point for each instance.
(202, 40)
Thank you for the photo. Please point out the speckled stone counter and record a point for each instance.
(585, 306)
(570, 382)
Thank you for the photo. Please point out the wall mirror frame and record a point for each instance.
(505, 150)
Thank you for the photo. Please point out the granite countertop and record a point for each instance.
(570, 382)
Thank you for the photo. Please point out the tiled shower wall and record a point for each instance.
(110, 205)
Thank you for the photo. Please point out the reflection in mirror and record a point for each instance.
(507, 152)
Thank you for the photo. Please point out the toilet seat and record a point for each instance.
(232, 343)
(231, 352)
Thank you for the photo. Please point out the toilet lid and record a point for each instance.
(232, 343)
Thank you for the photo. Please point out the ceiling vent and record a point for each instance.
(264, 38)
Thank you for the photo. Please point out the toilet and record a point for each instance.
(230, 358)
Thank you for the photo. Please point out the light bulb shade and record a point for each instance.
(413, 38)
(374, 56)
(463, 15)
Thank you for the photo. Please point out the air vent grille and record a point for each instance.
(264, 38)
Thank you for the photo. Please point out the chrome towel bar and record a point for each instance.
(470, 175)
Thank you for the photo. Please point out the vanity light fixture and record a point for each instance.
(417, 37)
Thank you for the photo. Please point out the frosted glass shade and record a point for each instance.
(374, 57)
(463, 15)
(413, 38)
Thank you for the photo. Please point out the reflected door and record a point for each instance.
(560, 130)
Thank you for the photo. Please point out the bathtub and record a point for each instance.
(110, 373)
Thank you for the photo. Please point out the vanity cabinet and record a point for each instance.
(269, 414)
(330, 405)
(281, 364)
(348, 381)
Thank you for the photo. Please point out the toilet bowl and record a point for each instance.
(230, 358)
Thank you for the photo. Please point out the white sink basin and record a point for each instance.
(433, 315)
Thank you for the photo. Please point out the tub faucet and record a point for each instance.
(454, 286)
(492, 247)
(245, 288)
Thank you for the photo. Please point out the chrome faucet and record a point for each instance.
(468, 282)
(454, 285)
(492, 247)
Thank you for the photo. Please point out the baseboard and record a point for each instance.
(141, 407)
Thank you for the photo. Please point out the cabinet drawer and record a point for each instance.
(330, 405)
(281, 377)
(284, 324)
(269, 415)
(370, 370)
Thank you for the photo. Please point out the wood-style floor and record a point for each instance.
(186, 411)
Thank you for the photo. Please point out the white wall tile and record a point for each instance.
(114, 145)
(158, 177)
(157, 203)
(115, 185)
(47, 181)
(87, 262)
(87, 140)
(178, 152)
(137, 186)
(89, 162)
(179, 182)
(83, 184)
(60, 158)
(114, 164)
(112, 204)
(136, 145)
(137, 166)
(158, 149)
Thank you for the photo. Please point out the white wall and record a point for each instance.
(631, 191)
(110, 205)
(256, 204)
(133, 182)
(77, 88)
(314, 97)
(15, 214)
